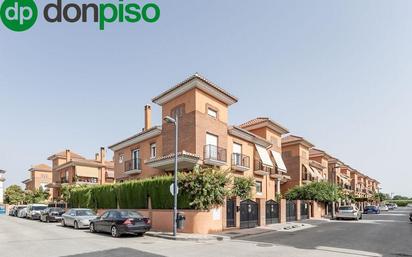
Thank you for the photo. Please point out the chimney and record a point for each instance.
(102, 155)
(68, 155)
(147, 117)
(97, 157)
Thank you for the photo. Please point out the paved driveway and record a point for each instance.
(388, 234)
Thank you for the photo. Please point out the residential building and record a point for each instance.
(2, 179)
(295, 152)
(202, 110)
(70, 168)
(39, 177)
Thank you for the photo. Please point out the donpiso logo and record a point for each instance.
(21, 15)
(18, 15)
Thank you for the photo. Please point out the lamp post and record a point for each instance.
(174, 121)
(2, 179)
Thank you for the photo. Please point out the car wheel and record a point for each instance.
(92, 229)
(63, 223)
(76, 225)
(115, 232)
(140, 234)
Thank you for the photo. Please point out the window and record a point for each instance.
(153, 151)
(121, 158)
(212, 113)
(237, 154)
(211, 143)
(136, 159)
(258, 187)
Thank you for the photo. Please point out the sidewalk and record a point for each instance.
(284, 227)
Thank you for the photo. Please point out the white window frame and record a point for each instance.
(237, 154)
(121, 158)
(212, 113)
(153, 151)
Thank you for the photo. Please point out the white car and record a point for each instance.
(22, 213)
(383, 207)
(78, 218)
(34, 211)
(348, 212)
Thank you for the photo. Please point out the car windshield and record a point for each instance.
(346, 208)
(20, 207)
(85, 213)
(38, 208)
(129, 214)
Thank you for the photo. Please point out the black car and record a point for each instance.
(51, 214)
(410, 216)
(118, 222)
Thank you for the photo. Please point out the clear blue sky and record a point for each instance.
(335, 72)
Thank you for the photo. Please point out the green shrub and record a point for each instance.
(242, 187)
(132, 195)
(401, 203)
(105, 196)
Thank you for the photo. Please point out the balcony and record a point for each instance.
(214, 155)
(261, 169)
(86, 181)
(240, 162)
(133, 166)
(307, 178)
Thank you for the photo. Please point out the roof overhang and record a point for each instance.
(195, 81)
(26, 181)
(153, 132)
(270, 124)
(185, 160)
(248, 136)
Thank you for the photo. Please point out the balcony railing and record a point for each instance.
(133, 165)
(214, 154)
(258, 165)
(64, 181)
(240, 160)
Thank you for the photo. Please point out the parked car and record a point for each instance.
(33, 211)
(22, 213)
(78, 218)
(410, 216)
(2, 209)
(15, 209)
(383, 207)
(371, 209)
(395, 205)
(119, 222)
(390, 206)
(51, 214)
(348, 212)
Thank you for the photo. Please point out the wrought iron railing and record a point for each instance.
(216, 153)
(258, 165)
(133, 164)
(240, 160)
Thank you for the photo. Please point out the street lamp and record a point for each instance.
(174, 121)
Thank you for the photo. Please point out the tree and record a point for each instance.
(380, 197)
(242, 187)
(317, 191)
(14, 195)
(400, 197)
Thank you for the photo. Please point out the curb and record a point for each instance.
(187, 238)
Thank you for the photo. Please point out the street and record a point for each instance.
(387, 234)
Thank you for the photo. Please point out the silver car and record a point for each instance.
(34, 211)
(348, 212)
(78, 218)
(22, 213)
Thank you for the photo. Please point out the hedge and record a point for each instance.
(401, 203)
(128, 195)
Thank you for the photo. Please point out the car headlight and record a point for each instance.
(85, 221)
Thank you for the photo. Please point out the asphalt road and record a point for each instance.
(388, 234)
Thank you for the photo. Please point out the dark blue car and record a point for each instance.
(371, 210)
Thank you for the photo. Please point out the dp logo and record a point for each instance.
(18, 15)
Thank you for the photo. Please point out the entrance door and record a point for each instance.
(248, 214)
(272, 212)
(230, 213)
(290, 211)
(304, 210)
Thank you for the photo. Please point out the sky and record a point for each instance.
(337, 73)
